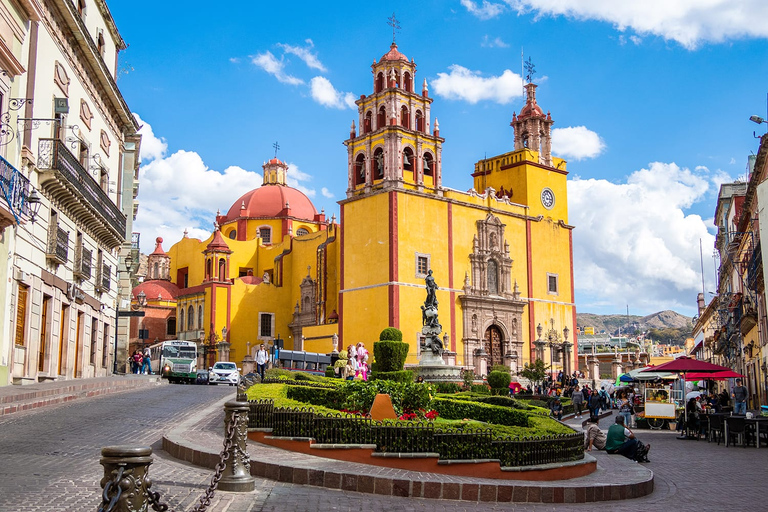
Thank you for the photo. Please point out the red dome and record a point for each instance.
(394, 54)
(269, 201)
(166, 290)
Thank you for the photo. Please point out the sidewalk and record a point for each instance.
(200, 438)
(15, 398)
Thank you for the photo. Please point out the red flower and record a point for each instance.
(431, 415)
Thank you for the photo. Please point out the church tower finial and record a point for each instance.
(275, 172)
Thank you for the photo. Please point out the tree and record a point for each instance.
(535, 372)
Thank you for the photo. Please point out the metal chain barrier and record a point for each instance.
(136, 483)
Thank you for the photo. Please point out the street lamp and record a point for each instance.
(142, 298)
(34, 202)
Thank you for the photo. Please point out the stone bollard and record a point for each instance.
(236, 476)
(126, 480)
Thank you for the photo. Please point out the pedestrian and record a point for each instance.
(594, 404)
(740, 395)
(146, 363)
(137, 361)
(603, 399)
(578, 401)
(557, 409)
(621, 440)
(262, 356)
(625, 409)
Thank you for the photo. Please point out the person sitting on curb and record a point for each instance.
(621, 440)
(557, 410)
(594, 436)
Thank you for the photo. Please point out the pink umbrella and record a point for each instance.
(729, 374)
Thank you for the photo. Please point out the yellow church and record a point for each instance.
(501, 253)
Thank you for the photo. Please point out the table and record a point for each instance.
(761, 424)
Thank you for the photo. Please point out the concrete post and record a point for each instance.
(237, 472)
(131, 464)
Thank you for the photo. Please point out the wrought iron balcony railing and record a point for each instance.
(15, 189)
(82, 187)
(83, 259)
(104, 278)
(135, 238)
(58, 245)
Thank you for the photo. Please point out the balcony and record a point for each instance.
(755, 269)
(58, 245)
(104, 278)
(65, 179)
(83, 259)
(15, 191)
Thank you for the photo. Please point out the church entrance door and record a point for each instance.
(493, 346)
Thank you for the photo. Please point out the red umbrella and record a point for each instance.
(729, 374)
(686, 364)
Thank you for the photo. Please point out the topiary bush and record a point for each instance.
(461, 409)
(501, 368)
(391, 334)
(499, 379)
(480, 388)
(330, 373)
(333, 398)
(447, 387)
(389, 356)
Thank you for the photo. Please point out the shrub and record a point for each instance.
(401, 376)
(460, 409)
(480, 388)
(468, 376)
(330, 373)
(501, 368)
(447, 387)
(499, 380)
(389, 355)
(333, 398)
(391, 334)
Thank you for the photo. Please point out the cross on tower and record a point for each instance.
(531, 69)
(276, 146)
(395, 24)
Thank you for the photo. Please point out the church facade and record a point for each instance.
(501, 253)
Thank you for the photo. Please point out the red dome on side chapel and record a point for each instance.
(166, 290)
(270, 200)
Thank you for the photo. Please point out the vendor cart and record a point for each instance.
(660, 406)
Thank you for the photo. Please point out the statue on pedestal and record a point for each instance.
(431, 326)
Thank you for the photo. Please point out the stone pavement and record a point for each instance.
(42, 394)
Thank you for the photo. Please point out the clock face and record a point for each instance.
(548, 198)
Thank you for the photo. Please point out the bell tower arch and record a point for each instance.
(398, 146)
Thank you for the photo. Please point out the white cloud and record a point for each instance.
(274, 67)
(496, 42)
(326, 193)
(151, 147)
(635, 243)
(576, 142)
(485, 11)
(464, 84)
(181, 192)
(324, 93)
(689, 22)
(305, 54)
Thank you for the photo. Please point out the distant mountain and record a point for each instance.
(667, 325)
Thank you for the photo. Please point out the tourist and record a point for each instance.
(146, 363)
(603, 399)
(137, 361)
(262, 356)
(594, 404)
(594, 436)
(578, 401)
(557, 409)
(362, 361)
(740, 395)
(621, 440)
(625, 409)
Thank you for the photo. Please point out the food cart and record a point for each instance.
(660, 405)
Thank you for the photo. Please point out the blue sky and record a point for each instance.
(651, 102)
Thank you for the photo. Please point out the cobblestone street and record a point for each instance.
(50, 463)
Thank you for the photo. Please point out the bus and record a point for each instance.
(177, 360)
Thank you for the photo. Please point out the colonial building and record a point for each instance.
(68, 131)
(501, 252)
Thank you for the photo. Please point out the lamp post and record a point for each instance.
(539, 343)
(566, 351)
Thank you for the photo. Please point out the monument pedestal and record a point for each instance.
(433, 368)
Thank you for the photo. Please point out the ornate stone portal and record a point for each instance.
(492, 308)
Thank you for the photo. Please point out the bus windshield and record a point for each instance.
(182, 352)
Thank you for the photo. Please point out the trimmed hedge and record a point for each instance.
(447, 387)
(332, 398)
(460, 409)
(389, 356)
(401, 376)
(330, 373)
(499, 380)
(480, 388)
(501, 368)
(391, 334)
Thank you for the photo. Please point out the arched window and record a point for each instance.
(493, 277)
(171, 327)
(208, 268)
(302, 232)
(100, 45)
(381, 118)
(407, 82)
(200, 317)
(379, 85)
(368, 122)
(222, 269)
(405, 119)
(359, 177)
(397, 78)
(419, 121)
(378, 164)
(190, 318)
(156, 271)
(265, 233)
(181, 318)
(429, 165)
(408, 159)
(233, 234)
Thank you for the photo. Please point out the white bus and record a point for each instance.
(177, 360)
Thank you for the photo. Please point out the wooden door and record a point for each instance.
(78, 341)
(43, 334)
(63, 331)
(493, 346)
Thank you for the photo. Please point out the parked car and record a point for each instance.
(224, 373)
(202, 377)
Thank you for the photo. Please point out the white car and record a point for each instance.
(224, 373)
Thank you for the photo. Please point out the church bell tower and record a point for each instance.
(397, 146)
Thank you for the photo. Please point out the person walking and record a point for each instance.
(262, 356)
(146, 363)
(740, 395)
(625, 409)
(137, 361)
(578, 401)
